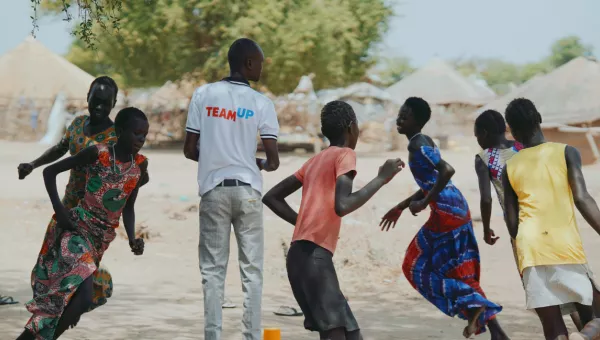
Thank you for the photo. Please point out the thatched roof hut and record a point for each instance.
(567, 95)
(440, 84)
(568, 101)
(31, 70)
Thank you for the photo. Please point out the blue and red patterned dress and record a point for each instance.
(442, 261)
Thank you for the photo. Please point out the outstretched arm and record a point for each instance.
(418, 195)
(51, 155)
(85, 157)
(347, 201)
(485, 192)
(275, 199)
(511, 206)
(584, 202)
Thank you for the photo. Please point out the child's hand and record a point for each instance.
(137, 246)
(416, 207)
(390, 168)
(489, 237)
(390, 218)
(261, 163)
(24, 170)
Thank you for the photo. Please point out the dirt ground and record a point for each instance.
(159, 295)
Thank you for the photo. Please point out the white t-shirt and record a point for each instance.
(228, 115)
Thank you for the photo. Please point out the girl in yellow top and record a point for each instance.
(543, 184)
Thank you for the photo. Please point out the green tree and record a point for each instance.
(159, 40)
(530, 70)
(393, 69)
(566, 49)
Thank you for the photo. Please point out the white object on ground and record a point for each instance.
(56, 122)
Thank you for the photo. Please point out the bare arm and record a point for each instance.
(347, 201)
(85, 157)
(51, 155)
(190, 146)
(418, 195)
(275, 199)
(272, 161)
(584, 202)
(485, 192)
(445, 173)
(511, 206)
(129, 215)
(144, 177)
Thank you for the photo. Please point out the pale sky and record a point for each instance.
(514, 30)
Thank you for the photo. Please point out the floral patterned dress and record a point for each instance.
(74, 141)
(63, 266)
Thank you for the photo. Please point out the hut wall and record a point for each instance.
(577, 140)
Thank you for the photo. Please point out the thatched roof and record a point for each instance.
(567, 95)
(33, 71)
(440, 84)
(169, 95)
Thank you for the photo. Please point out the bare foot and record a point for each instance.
(472, 325)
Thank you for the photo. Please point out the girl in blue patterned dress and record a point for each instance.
(442, 261)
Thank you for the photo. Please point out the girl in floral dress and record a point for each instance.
(63, 273)
(84, 131)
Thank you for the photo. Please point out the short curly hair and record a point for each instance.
(336, 117)
(492, 122)
(420, 109)
(522, 116)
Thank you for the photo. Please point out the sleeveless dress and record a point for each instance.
(64, 265)
(495, 159)
(73, 141)
(550, 251)
(442, 261)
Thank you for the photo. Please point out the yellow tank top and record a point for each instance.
(548, 233)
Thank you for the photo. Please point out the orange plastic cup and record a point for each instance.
(272, 334)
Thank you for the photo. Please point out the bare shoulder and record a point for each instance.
(419, 141)
(572, 156)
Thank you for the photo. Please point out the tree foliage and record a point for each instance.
(566, 49)
(393, 69)
(158, 40)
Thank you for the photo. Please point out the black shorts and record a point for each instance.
(316, 288)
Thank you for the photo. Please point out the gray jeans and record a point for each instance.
(219, 209)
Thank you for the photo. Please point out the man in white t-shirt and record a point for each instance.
(223, 121)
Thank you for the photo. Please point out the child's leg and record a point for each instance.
(334, 334)
(576, 320)
(591, 331)
(552, 322)
(596, 303)
(79, 304)
(496, 331)
(472, 326)
(354, 335)
(585, 313)
(26, 335)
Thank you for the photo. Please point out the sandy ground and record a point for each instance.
(159, 295)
